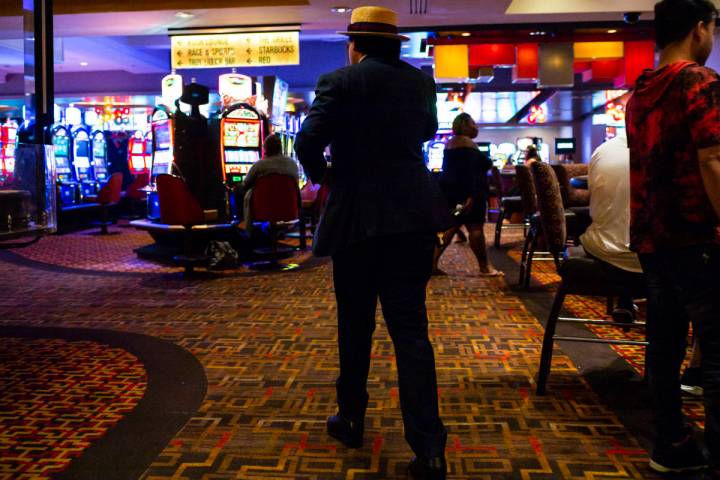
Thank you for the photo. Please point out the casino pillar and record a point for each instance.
(39, 87)
(39, 73)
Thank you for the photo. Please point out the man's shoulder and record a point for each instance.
(697, 74)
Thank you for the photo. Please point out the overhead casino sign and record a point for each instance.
(264, 49)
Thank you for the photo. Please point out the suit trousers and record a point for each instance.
(395, 270)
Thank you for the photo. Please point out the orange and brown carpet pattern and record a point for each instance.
(88, 252)
(546, 275)
(56, 398)
(268, 347)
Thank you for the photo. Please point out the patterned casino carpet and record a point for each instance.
(88, 252)
(266, 344)
(58, 397)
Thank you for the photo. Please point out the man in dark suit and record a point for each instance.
(379, 225)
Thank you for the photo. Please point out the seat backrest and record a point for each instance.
(309, 192)
(140, 181)
(321, 199)
(112, 190)
(177, 204)
(550, 205)
(275, 198)
(564, 172)
(526, 185)
(495, 180)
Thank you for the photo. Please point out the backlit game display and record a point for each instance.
(81, 155)
(66, 186)
(99, 156)
(8, 141)
(137, 154)
(242, 135)
(162, 131)
(436, 153)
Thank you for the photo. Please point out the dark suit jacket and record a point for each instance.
(375, 115)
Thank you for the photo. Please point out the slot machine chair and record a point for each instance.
(136, 194)
(275, 200)
(572, 197)
(550, 204)
(308, 197)
(580, 275)
(108, 197)
(507, 206)
(179, 210)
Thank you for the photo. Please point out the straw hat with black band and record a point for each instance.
(374, 22)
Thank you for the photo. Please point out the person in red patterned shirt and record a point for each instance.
(673, 123)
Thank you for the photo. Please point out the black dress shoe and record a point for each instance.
(427, 468)
(348, 432)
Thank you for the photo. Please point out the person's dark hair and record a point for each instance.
(272, 145)
(377, 46)
(531, 153)
(675, 19)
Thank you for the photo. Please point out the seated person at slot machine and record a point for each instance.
(273, 162)
(607, 239)
(532, 155)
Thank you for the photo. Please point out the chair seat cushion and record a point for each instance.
(511, 204)
(583, 275)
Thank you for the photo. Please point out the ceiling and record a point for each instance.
(129, 37)
(126, 17)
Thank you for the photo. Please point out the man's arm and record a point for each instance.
(702, 87)
(710, 170)
(432, 127)
(319, 127)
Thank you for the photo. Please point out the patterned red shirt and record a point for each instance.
(674, 112)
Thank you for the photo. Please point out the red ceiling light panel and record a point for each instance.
(607, 70)
(492, 54)
(639, 56)
(528, 59)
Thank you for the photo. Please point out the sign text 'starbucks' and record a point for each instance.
(236, 50)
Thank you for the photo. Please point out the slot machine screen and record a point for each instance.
(241, 134)
(162, 162)
(436, 152)
(12, 134)
(82, 162)
(82, 154)
(138, 163)
(98, 149)
(138, 148)
(162, 137)
(62, 145)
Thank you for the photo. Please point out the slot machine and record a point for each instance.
(8, 142)
(163, 133)
(242, 130)
(137, 154)
(99, 156)
(148, 150)
(162, 129)
(65, 176)
(81, 161)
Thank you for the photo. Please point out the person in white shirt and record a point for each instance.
(608, 237)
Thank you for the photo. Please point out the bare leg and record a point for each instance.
(477, 245)
(439, 250)
(696, 356)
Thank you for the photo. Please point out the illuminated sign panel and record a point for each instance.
(236, 50)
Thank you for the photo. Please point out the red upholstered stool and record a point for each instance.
(276, 201)
(136, 194)
(108, 196)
